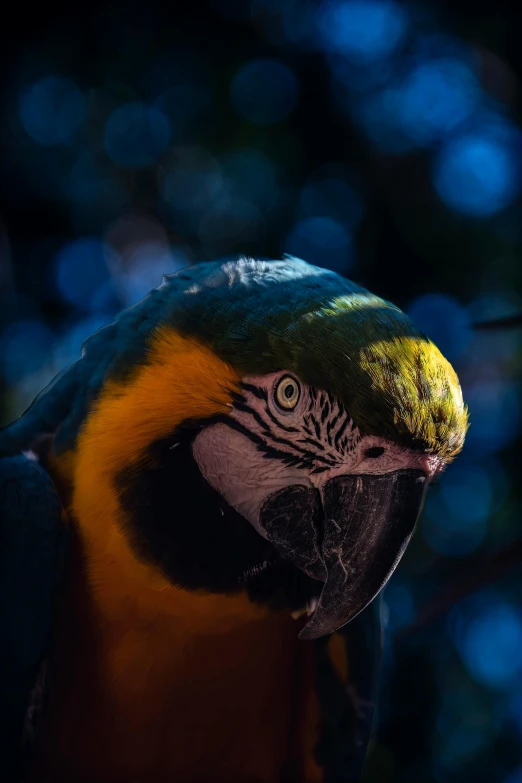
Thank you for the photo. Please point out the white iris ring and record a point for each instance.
(287, 393)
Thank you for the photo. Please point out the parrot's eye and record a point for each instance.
(287, 393)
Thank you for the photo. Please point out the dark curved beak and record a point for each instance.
(350, 535)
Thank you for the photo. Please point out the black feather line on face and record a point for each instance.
(257, 391)
(325, 412)
(278, 423)
(268, 450)
(270, 435)
(316, 426)
(312, 442)
(300, 450)
(252, 412)
(329, 428)
(341, 431)
(332, 425)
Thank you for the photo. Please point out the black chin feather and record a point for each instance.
(179, 524)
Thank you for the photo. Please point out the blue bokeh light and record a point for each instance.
(67, 348)
(192, 184)
(477, 174)
(351, 81)
(24, 348)
(231, 220)
(489, 640)
(448, 533)
(264, 91)
(52, 110)
(379, 115)
(253, 173)
(145, 267)
(436, 98)
(362, 30)
(299, 24)
(398, 598)
(83, 276)
(494, 407)
(322, 241)
(92, 192)
(334, 198)
(456, 517)
(433, 101)
(444, 321)
(468, 490)
(136, 134)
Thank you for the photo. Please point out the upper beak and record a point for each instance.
(351, 537)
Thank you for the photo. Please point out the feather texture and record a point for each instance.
(266, 316)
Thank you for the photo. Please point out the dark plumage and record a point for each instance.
(33, 543)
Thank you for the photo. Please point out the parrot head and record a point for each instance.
(310, 419)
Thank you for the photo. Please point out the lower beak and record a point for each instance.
(352, 540)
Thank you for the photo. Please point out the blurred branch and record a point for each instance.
(508, 322)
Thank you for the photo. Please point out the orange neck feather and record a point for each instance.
(182, 379)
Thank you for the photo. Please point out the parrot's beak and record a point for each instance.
(350, 534)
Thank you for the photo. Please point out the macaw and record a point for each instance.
(196, 518)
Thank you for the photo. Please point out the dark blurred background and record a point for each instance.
(380, 139)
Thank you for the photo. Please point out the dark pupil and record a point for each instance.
(289, 391)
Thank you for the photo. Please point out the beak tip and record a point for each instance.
(375, 518)
(309, 635)
(314, 628)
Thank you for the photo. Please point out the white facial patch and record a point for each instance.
(232, 464)
(274, 438)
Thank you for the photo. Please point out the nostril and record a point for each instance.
(374, 452)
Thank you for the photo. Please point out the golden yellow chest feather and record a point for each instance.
(151, 682)
(224, 693)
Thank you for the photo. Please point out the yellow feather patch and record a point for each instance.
(422, 389)
(182, 379)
